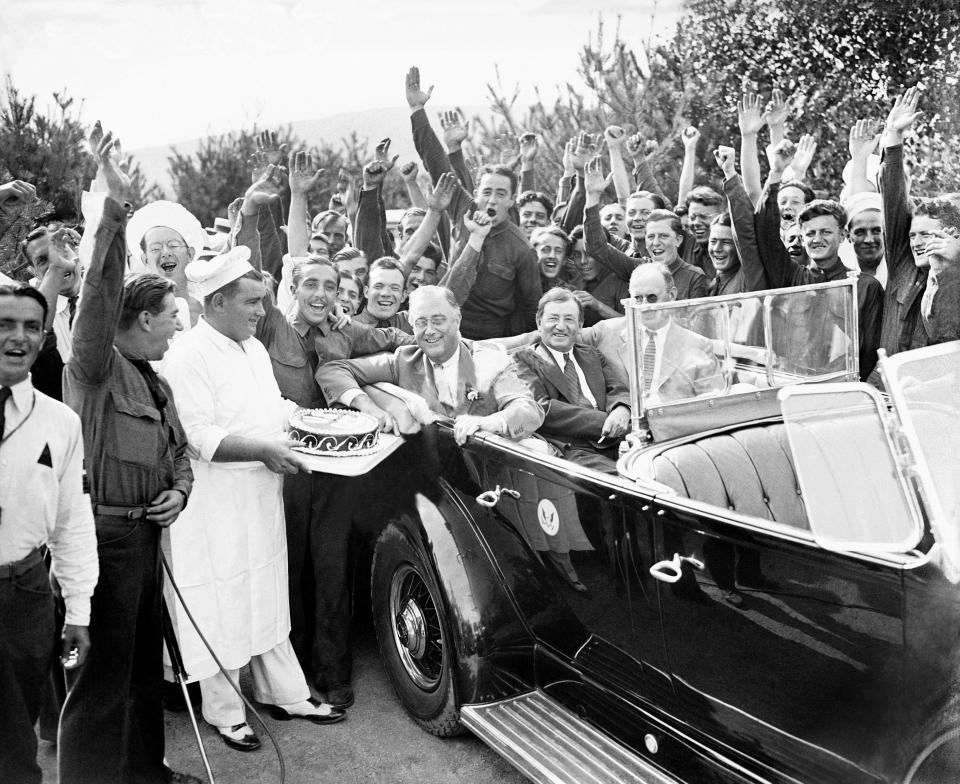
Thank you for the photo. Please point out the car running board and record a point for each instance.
(552, 745)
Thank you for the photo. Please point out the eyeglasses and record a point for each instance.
(650, 299)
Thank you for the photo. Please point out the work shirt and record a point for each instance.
(399, 320)
(41, 495)
(133, 450)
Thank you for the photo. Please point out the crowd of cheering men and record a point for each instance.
(148, 370)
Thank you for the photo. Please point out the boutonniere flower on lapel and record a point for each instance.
(472, 394)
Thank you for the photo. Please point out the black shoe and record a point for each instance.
(245, 742)
(176, 777)
(331, 716)
(339, 696)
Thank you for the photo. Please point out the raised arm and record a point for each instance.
(61, 262)
(258, 196)
(99, 310)
(529, 148)
(741, 211)
(462, 274)
(688, 171)
(642, 173)
(304, 177)
(893, 185)
(778, 109)
(368, 235)
(455, 132)
(408, 173)
(616, 139)
(594, 235)
(862, 144)
(751, 120)
(436, 203)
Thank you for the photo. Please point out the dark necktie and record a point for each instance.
(5, 395)
(153, 384)
(649, 360)
(72, 309)
(573, 381)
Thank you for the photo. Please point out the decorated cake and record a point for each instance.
(333, 431)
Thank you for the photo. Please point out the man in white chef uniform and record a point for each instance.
(228, 551)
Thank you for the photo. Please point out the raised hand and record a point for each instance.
(442, 194)
(726, 159)
(780, 156)
(593, 180)
(945, 246)
(636, 146)
(568, 169)
(409, 172)
(479, 223)
(690, 138)
(586, 148)
(17, 190)
(382, 154)
(509, 150)
(778, 109)
(455, 131)
(264, 190)
(863, 141)
(62, 250)
(374, 174)
(416, 98)
(529, 147)
(750, 115)
(803, 157)
(304, 175)
(118, 183)
(615, 137)
(270, 149)
(904, 112)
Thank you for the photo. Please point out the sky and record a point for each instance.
(162, 72)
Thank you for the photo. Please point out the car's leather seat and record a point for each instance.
(750, 471)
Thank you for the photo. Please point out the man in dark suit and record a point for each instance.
(585, 397)
(477, 387)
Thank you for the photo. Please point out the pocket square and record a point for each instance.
(45, 458)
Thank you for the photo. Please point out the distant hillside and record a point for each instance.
(374, 124)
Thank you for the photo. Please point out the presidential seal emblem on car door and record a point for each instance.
(548, 516)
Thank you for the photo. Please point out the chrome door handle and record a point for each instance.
(671, 571)
(489, 498)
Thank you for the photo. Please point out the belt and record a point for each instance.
(24, 565)
(130, 512)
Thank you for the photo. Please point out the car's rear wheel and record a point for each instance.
(412, 631)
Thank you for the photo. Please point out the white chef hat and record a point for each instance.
(206, 277)
(861, 202)
(165, 213)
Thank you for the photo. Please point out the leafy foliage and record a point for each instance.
(839, 60)
(220, 171)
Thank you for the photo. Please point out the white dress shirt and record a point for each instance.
(446, 378)
(659, 340)
(562, 363)
(41, 495)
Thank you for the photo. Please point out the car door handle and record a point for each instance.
(489, 498)
(671, 571)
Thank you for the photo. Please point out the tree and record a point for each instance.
(840, 60)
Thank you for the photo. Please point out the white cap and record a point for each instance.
(206, 277)
(861, 202)
(165, 213)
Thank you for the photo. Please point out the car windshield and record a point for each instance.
(742, 343)
(924, 386)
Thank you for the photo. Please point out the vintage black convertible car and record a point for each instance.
(766, 591)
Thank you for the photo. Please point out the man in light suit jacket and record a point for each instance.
(585, 397)
(477, 387)
(684, 364)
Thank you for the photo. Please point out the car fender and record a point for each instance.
(493, 644)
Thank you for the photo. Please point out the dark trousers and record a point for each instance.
(112, 726)
(319, 509)
(26, 634)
